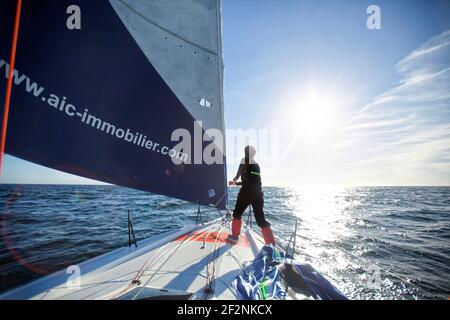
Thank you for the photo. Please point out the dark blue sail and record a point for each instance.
(88, 100)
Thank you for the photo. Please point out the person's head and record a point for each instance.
(249, 152)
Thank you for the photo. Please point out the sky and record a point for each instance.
(343, 105)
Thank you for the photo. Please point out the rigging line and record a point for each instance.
(213, 250)
(163, 261)
(221, 216)
(208, 280)
(156, 271)
(217, 246)
(196, 238)
(212, 262)
(193, 238)
(220, 199)
(208, 233)
(167, 30)
(109, 283)
(89, 296)
(189, 239)
(208, 211)
(12, 61)
(238, 261)
(145, 267)
(199, 235)
(139, 273)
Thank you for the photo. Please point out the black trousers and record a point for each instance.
(256, 200)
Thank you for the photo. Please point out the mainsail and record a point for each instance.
(100, 86)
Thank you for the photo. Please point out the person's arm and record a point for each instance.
(238, 174)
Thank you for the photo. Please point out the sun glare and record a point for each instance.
(312, 113)
(312, 120)
(313, 116)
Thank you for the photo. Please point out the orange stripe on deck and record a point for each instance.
(213, 237)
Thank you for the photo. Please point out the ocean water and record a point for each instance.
(371, 242)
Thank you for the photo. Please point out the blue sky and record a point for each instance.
(351, 106)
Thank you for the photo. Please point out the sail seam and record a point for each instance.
(167, 30)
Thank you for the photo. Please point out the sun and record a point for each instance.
(312, 113)
(313, 116)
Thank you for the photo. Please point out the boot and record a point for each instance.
(235, 230)
(236, 227)
(268, 235)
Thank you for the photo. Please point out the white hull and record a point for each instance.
(195, 262)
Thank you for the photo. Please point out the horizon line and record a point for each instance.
(270, 185)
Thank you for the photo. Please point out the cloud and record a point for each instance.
(436, 47)
(404, 134)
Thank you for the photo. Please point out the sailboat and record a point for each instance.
(98, 90)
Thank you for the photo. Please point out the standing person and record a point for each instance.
(250, 194)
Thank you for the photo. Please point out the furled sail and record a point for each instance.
(100, 87)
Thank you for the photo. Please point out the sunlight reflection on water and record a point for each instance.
(330, 237)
